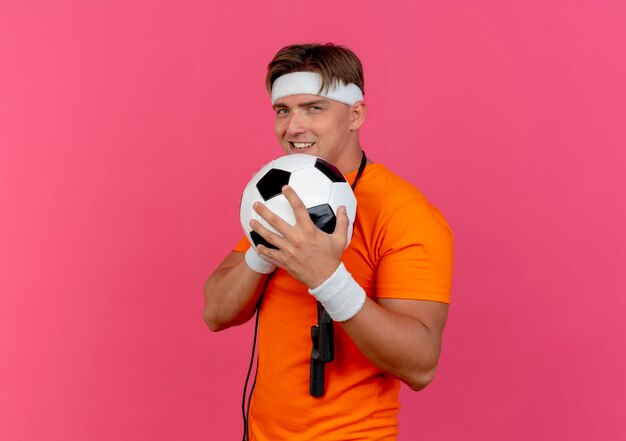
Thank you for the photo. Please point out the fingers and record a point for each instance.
(272, 219)
(299, 210)
(291, 237)
(277, 222)
(275, 239)
(273, 256)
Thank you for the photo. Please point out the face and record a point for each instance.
(318, 126)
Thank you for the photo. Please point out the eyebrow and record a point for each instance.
(305, 104)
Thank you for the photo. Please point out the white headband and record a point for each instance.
(310, 83)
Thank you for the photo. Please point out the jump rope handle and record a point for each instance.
(322, 352)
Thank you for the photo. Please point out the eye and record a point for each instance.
(315, 108)
(281, 111)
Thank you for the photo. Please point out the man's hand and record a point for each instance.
(309, 254)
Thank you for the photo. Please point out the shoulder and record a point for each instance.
(395, 202)
(380, 179)
(380, 182)
(390, 192)
(412, 242)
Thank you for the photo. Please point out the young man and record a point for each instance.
(388, 292)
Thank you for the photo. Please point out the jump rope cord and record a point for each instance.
(245, 409)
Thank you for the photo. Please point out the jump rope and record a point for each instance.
(317, 384)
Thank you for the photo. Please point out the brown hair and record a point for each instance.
(331, 61)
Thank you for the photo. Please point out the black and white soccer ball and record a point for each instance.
(319, 184)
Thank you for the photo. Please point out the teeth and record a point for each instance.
(302, 145)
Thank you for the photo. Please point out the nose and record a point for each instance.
(296, 124)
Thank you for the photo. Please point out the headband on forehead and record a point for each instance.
(310, 83)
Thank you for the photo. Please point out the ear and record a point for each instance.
(357, 115)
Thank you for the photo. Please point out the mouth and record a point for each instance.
(301, 146)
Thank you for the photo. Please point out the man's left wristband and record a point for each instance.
(340, 295)
(256, 263)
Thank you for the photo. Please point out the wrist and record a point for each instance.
(340, 295)
(257, 263)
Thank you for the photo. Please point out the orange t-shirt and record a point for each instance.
(401, 248)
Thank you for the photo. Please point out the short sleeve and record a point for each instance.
(416, 254)
(243, 245)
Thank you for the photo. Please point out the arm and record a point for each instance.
(231, 293)
(401, 337)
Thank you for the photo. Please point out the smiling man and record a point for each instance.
(388, 291)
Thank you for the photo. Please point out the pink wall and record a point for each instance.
(127, 133)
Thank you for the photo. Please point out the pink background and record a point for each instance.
(128, 130)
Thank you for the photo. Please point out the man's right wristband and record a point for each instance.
(257, 263)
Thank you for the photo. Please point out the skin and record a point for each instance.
(401, 337)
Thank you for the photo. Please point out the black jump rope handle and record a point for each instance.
(322, 334)
(323, 350)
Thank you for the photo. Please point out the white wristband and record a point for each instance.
(258, 263)
(340, 295)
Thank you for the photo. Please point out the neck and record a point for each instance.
(350, 163)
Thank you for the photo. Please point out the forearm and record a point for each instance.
(231, 293)
(398, 344)
(401, 337)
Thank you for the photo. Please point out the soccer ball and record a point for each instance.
(319, 184)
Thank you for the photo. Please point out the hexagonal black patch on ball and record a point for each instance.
(329, 170)
(323, 218)
(258, 240)
(271, 184)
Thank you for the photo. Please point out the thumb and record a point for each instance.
(341, 228)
